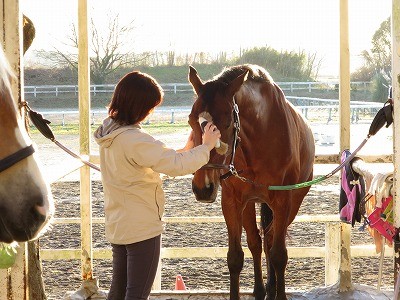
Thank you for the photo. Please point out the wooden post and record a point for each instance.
(332, 256)
(84, 136)
(13, 282)
(396, 130)
(344, 109)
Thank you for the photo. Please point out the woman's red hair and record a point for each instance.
(135, 96)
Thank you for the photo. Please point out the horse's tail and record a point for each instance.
(266, 216)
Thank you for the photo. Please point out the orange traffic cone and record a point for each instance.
(179, 284)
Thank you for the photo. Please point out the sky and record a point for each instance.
(187, 26)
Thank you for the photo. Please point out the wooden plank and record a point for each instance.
(344, 104)
(19, 282)
(3, 272)
(212, 252)
(396, 134)
(211, 219)
(13, 281)
(84, 139)
(396, 101)
(332, 247)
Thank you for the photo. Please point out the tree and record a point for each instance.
(288, 65)
(379, 56)
(378, 62)
(109, 51)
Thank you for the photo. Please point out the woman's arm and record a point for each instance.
(189, 144)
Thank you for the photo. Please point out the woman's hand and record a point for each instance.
(211, 135)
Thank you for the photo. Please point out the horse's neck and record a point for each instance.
(254, 108)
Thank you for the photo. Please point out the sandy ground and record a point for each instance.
(303, 275)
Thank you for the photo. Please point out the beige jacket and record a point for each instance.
(131, 162)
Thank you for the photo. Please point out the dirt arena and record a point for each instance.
(198, 274)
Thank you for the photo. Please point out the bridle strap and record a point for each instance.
(236, 124)
(12, 159)
(215, 166)
(230, 167)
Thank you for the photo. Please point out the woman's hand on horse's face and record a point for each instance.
(211, 135)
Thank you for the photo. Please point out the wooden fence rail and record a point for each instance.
(331, 250)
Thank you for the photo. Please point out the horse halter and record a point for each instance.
(231, 168)
(12, 159)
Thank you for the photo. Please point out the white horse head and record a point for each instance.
(26, 203)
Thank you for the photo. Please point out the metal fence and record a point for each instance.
(314, 109)
(183, 87)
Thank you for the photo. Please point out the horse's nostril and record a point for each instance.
(205, 194)
(42, 210)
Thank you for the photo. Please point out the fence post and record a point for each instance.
(330, 116)
(174, 88)
(332, 253)
(172, 117)
(34, 91)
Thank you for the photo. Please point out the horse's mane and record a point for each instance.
(256, 73)
(220, 81)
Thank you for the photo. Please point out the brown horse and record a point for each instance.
(269, 143)
(26, 203)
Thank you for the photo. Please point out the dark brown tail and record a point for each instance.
(266, 216)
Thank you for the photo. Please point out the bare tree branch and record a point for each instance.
(107, 50)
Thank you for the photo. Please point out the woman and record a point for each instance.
(131, 162)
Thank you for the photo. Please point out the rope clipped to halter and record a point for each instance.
(43, 126)
(384, 115)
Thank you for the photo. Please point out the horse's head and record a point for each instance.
(215, 102)
(25, 199)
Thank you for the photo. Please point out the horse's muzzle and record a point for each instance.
(206, 194)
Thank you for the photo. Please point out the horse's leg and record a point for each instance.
(270, 285)
(255, 245)
(278, 250)
(233, 220)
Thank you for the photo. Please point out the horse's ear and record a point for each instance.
(235, 84)
(195, 80)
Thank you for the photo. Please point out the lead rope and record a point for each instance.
(384, 115)
(321, 178)
(43, 126)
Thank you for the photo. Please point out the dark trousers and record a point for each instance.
(134, 269)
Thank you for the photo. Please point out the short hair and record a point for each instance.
(135, 95)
